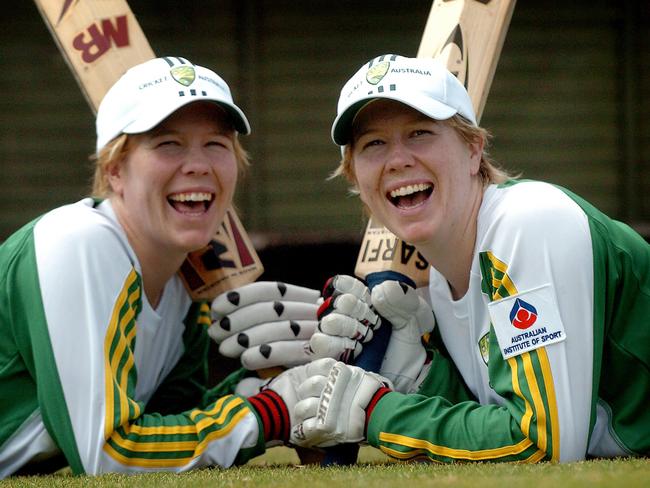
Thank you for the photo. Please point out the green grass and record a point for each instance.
(279, 468)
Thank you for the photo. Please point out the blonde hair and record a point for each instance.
(489, 171)
(116, 150)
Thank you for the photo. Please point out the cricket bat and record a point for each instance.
(467, 35)
(100, 40)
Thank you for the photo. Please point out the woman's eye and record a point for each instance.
(373, 142)
(420, 132)
(216, 143)
(220, 142)
(166, 142)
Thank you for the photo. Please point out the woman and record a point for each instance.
(103, 357)
(542, 345)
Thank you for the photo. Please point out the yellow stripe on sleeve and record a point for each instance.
(217, 406)
(504, 281)
(540, 410)
(140, 447)
(546, 416)
(112, 331)
(124, 343)
(194, 447)
(146, 463)
(205, 317)
(528, 413)
(123, 346)
(191, 428)
(208, 421)
(407, 456)
(480, 455)
(223, 432)
(549, 385)
(536, 457)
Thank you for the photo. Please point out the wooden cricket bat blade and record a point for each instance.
(467, 36)
(229, 261)
(99, 40)
(382, 251)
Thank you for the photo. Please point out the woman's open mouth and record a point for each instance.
(191, 202)
(410, 196)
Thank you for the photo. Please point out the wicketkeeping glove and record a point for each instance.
(346, 319)
(334, 408)
(411, 317)
(266, 323)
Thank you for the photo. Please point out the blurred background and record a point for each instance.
(569, 104)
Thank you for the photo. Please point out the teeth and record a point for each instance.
(409, 189)
(191, 197)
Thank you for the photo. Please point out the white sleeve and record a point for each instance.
(545, 307)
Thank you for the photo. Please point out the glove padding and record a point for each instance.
(266, 323)
(411, 318)
(332, 408)
(295, 385)
(346, 320)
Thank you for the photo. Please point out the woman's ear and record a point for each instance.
(114, 175)
(476, 154)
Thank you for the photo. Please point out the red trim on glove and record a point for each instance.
(274, 415)
(325, 308)
(371, 406)
(328, 287)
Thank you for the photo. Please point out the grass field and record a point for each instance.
(279, 468)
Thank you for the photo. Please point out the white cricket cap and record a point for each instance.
(421, 83)
(150, 92)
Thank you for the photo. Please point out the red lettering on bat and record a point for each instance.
(96, 40)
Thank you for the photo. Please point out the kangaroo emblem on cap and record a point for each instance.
(375, 74)
(185, 75)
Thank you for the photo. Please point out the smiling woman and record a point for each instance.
(84, 281)
(172, 186)
(540, 350)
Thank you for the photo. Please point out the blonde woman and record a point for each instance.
(541, 349)
(103, 357)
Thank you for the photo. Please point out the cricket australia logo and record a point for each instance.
(484, 347)
(375, 74)
(185, 75)
(523, 315)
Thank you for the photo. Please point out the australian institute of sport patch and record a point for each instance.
(526, 321)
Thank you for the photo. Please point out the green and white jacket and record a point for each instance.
(547, 356)
(90, 370)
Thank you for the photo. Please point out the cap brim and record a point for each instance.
(155, 116)
(342, 126)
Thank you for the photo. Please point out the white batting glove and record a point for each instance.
(266, 324)
(334, 406)
(346, 319)
(276, 402)
(411, 318)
